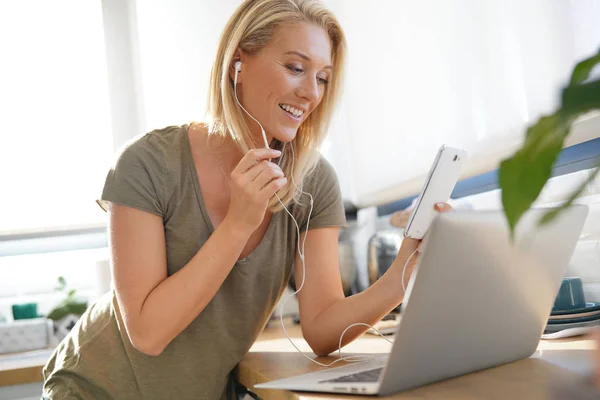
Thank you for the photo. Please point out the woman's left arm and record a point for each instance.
(324, 310)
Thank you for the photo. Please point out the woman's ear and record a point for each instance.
(237, 58)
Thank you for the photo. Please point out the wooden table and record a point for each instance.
(21, 368)
(273, 357)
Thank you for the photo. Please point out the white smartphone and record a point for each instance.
(438, 187)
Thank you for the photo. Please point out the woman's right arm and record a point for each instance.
(156, 308)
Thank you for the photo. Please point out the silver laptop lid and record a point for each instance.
(478, 300)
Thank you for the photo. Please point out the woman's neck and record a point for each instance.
(224, 148)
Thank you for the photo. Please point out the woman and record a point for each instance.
(201, 250)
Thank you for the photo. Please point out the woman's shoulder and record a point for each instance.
(158, 153)
(147, 169)
(321, 174)
(165, 142)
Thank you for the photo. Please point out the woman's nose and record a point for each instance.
(309, 89)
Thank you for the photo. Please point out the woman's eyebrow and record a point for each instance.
(304, 56)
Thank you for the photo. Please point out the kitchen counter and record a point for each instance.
(555, 362)
(273, 357)
(21, 368)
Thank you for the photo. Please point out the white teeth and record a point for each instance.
(292, 110)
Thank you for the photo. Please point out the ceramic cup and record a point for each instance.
(570, 295)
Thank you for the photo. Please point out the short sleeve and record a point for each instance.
(137, 178)
(328, 206)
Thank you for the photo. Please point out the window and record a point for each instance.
(56, 142)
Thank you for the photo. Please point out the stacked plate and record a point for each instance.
(570, 322)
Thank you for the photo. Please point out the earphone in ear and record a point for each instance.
(238, 68)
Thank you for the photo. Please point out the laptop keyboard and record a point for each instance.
(371, 375)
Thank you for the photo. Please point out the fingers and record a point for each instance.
(262, 169)
(266, 175)
(439, 207)
(442, 207)
(258, 177)
(399, 219)
(268, 191)
(255, 164)
(253, 157)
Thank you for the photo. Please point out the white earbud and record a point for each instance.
(238, 68)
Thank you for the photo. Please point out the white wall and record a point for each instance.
(466, 73)
(177, 44)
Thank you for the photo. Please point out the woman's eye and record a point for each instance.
(299, 70)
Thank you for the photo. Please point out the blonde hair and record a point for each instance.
(251, 28)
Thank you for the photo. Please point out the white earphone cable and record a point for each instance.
(301, 253)
(404, 269)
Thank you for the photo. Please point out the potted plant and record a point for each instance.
(67, 312)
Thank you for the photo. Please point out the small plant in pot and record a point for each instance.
(67, 312)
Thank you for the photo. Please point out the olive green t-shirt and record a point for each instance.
(155, 173)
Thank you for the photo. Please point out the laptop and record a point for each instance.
(476, 301)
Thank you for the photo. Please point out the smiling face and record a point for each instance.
(284, 82)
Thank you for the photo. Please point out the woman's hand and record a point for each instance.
(399, 219)
(253, 182)
(412, 247)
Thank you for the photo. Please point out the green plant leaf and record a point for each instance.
(71, 293)
(62, 283)
(64, 309)
(78, 307)
(552, 214)
(582, 70)
(58, 313)
(523, 176)
(580, 99)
